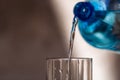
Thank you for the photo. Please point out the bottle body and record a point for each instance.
(101, 28)
(103, 32)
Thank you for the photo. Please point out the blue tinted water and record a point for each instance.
(102, 30)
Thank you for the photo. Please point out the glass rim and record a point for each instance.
(67, 58)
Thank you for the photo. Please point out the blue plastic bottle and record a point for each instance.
(99, 23)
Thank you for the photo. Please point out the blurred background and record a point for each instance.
(32, 30)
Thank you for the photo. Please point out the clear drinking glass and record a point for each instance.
(73, 69)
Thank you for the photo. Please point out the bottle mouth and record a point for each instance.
(83, 10)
